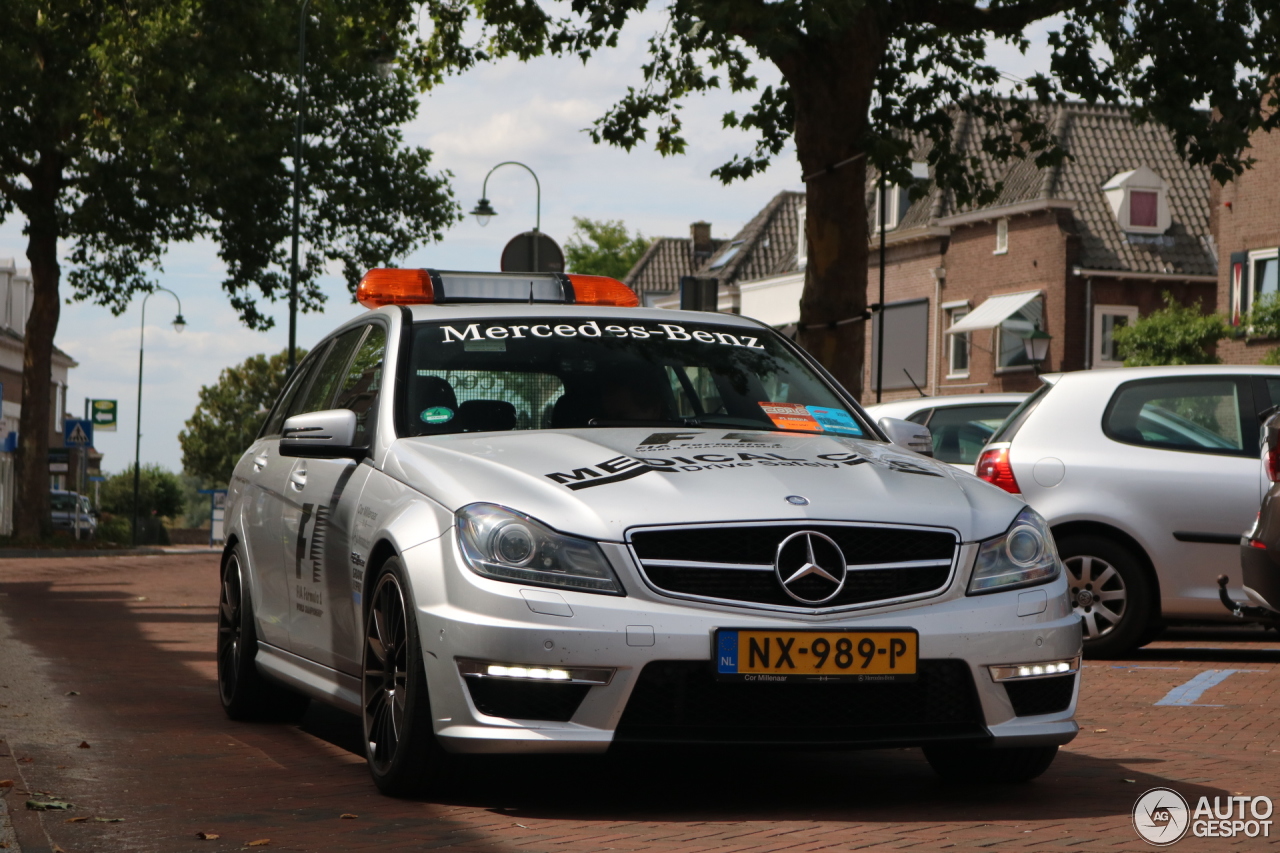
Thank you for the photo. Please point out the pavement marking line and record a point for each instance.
(1187, 694)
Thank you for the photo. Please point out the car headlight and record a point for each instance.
(1022, 556)
(507, 546)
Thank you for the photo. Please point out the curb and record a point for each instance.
(29, 553)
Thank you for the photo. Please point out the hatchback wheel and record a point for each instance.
(400, 744)
(1109, 591)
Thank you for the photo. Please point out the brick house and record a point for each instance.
(1246, 222)
(1076, 250)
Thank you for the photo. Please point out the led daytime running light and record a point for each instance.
(1042, 669)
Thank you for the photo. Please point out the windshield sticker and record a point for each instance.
(471, 334)
(835, 420)
(485, 346)
(791, 416)
(436, 415)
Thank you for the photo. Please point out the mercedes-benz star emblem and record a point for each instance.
(810, 566)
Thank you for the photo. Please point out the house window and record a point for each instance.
(802, 239)
(1142, 208)
(1002, 237)
(1010, 350)
(957, 345)
(897, 200)
(906, 345)
(1264, 275)
(1106, 319)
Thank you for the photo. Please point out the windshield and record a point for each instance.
(522, 374)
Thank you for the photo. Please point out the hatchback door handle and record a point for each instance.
(259, 462)
(298, 479)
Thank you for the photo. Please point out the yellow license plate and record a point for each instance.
(789, 656)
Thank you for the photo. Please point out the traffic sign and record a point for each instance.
(532, 251)
(104, 414)
(77, 433)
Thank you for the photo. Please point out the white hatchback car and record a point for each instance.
(514, 513)
(960, 424)
(1147, 476)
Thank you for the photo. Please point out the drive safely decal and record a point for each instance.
(621, 468)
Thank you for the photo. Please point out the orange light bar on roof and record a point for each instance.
(602, 290)
(395, 287)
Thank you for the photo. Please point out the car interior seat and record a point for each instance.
(487, 416)
(431, 392)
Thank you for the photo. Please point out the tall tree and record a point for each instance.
(866, 81)
(229, 415)
(125, 127)
(603, 247)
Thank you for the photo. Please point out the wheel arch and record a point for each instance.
(383, 550)
(1107, 531)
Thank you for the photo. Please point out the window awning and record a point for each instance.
(993, 312)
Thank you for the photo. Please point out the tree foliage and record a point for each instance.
(1174, 334)
(880, 83)
(229, 415)
(603, 247)
(159, 494)
(127, 127)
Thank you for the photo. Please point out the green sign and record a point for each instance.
(103, 413)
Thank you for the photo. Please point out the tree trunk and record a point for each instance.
(31, 515)
(832, 84)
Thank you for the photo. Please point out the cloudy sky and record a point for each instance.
(531, 112)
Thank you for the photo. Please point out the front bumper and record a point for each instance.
(661, 689)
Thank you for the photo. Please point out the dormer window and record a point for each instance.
(1139, 200)
(897, 200)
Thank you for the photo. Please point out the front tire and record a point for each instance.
(245, 694)
(1110, 593)
(400, 743)
(969, 764)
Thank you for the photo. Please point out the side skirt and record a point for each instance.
(319, 682)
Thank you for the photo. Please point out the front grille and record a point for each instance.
(736, 563)
(681, 702)
(1041, 695)
(526, 700)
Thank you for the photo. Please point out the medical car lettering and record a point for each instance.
(684, 441)
(307, 599)
(591, 329)
(615, 470)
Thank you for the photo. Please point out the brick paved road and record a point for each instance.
(131, 640)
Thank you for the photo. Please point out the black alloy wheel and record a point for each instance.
(245, 694)
(400, 743)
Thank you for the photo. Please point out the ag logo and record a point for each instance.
(1161, 816)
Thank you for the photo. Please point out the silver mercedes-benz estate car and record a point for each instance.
(516, 513)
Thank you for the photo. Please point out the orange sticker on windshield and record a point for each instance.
(791, 416)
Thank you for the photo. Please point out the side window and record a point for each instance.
(292, 388)
(1202, 415)
(359, 391)
(960, 432)
(329, 374)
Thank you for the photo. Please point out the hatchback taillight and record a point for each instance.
(1273, 463)
(993, 466)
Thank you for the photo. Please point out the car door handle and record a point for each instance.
(259, 462)
(298, 479)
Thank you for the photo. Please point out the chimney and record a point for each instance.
(701, 233)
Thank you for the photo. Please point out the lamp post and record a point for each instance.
(484, 210)
(178, 325)
(297, 185)
(1036, 346)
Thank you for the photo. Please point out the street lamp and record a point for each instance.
(297, 185)
(484, 211)
(1036, 345)
(178, 325)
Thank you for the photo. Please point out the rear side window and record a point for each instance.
(960, 432)
(1018, 417)
(1198, 415)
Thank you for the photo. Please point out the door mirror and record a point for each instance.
(321, 435)
(908, 435)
